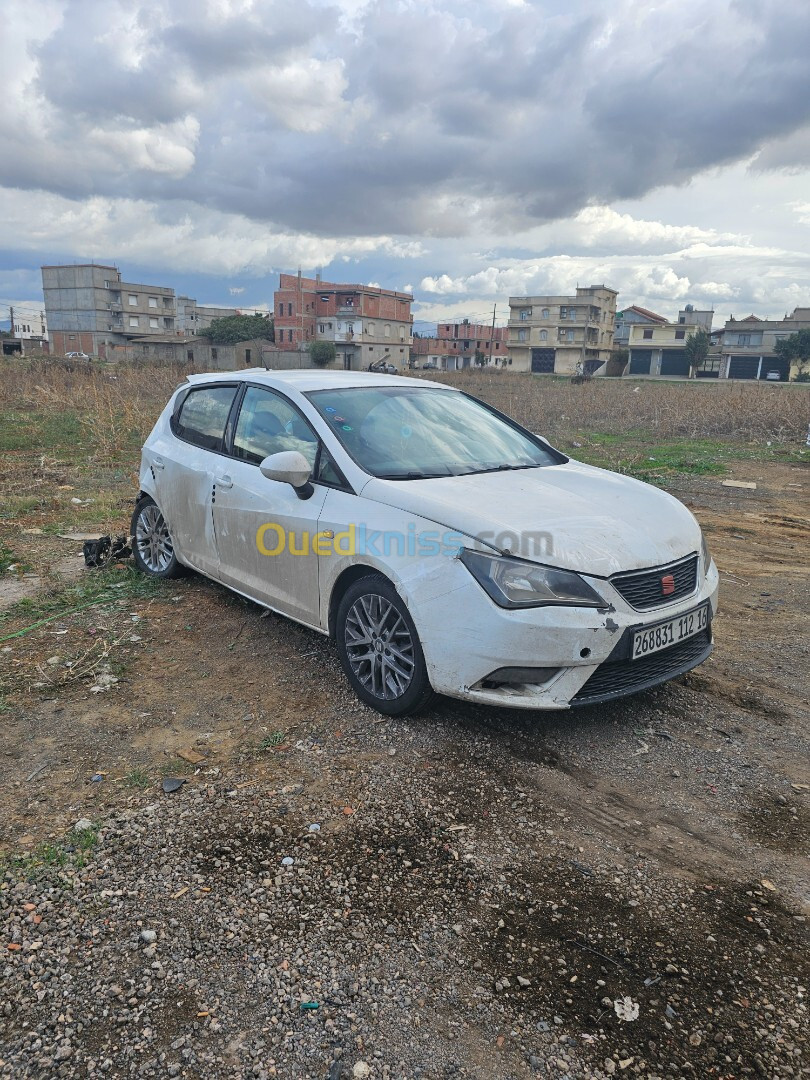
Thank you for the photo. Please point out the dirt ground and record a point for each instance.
(666, 833)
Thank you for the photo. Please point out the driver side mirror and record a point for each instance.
(289, 467)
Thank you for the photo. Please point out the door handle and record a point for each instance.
(224, 481)
(158, 463)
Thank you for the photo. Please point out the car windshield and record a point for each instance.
(413, 433)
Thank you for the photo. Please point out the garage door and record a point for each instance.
(743, 367)
(772, 363)
(674, 362)
(543, 361)
(640, 360)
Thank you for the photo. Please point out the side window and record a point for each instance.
(268, 424)
(204, 414)
(328, 472)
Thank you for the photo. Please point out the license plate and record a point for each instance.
(654, 638)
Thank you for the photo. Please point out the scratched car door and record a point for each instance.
(264, 531)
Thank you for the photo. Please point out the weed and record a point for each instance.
(9, 561)
(74, 851)
(103, 586)
(270, 742)
(138, 778)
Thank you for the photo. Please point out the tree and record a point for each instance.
(697, 350)
(232, 329)
(479, 358)
(322, 353)
(619, 358)
(796, 350)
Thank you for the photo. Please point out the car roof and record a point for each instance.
(312, 379)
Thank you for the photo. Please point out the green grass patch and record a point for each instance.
(72, 852)
(8, 560)
(138, 778)
(98, 588)
(45, 431)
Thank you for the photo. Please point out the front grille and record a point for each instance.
(619, 677)
(642, 589)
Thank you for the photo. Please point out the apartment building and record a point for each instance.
(657, 345)
(461, 345)
(365, 323)
(89, 307)
(562, 334)
(747, 349)
(193, 317)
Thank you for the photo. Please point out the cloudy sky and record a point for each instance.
(467, 151)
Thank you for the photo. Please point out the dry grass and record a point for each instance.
(738, 411)
(113, 409)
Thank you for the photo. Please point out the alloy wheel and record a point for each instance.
(153, 540)
(379, 647)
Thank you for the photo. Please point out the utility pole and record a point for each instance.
(11, 316)
(492, 334)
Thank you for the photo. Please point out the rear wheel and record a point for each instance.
(152, 544)
(379, 648)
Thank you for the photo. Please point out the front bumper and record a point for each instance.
(466, 637)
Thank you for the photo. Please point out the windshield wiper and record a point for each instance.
(508, 468)
(412, 476)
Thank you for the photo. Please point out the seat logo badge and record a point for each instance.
(667, 585)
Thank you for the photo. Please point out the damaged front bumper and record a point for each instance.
(568, 656)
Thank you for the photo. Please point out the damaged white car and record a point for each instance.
(445, 548)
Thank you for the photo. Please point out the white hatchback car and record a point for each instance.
(444, 547)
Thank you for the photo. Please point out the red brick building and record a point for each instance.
(365, 323)
(456, 345)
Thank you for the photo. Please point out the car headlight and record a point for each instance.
(513, 583)
(705, 556)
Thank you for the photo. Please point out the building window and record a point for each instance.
(743, 339)
(325, 299)
(247, 356)
(525, 313)
(280, 310)
(387, 330)
(289, 309)
(680, 335)
(133, 300)
(349, 327)
(133, 320)
(647, 335)
(563, 312)
(320, 328)
(544, 335)
(570, 335)
(521, 335)
(153, 301)
(544, 313)
(290, 333)
(153, 322)
(213, 354)
(190, 356)
(370, 328)
(681, 318)
(402, 333)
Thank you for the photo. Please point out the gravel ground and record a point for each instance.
(491, 895)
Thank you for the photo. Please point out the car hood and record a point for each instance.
(573, 516)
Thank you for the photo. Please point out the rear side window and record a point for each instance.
(203, 416)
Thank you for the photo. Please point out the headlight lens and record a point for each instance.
(704, 554)
(512, 583)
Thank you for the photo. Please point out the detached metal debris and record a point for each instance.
(100, 553)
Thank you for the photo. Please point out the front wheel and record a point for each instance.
(379, 648)
(152, 544)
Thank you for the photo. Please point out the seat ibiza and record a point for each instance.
(445, 548)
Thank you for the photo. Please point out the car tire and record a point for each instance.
(152, 546)
(379, 648)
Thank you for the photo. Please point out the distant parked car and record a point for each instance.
(382, 367)
(77, 356)
(430, 365)
(773, 376)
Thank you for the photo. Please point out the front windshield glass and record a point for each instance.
(410, 433)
